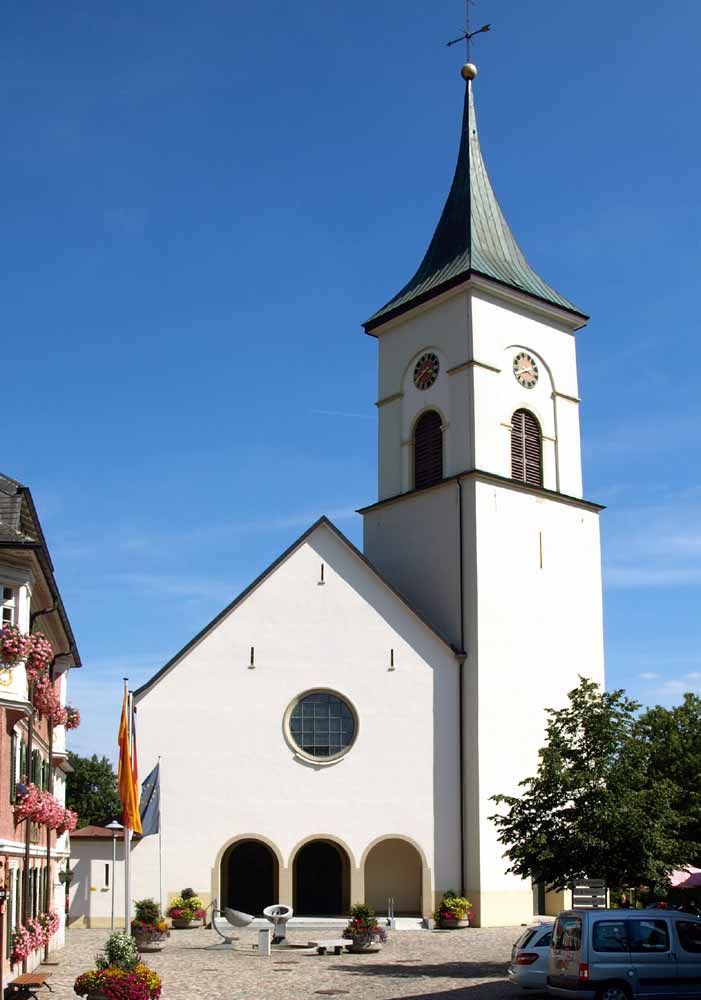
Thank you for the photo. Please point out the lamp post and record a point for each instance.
(115, 827)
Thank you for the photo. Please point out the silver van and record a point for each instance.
(621, 954)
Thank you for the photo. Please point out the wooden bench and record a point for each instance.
(338, 944)
(26, 986)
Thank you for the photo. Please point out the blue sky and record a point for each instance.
(201, 205)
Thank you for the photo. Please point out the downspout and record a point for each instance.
(461, 668)
(27, 844)
(50, 790)
(37, 614)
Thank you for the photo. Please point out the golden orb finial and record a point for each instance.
(468, 72)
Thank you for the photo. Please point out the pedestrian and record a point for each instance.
(624, 901)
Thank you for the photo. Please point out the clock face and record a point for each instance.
(426, 371)
(525, 370)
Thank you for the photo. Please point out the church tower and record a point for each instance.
(480, 521)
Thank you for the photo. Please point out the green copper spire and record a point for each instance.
(472, 237)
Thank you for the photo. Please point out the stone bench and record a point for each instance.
(338, 944)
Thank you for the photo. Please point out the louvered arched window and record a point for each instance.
(526, 448)
(428, 450)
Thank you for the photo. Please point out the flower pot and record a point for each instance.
(96, 996)
(149, 941)
(363, 946)
(453, 923)
(180, 924)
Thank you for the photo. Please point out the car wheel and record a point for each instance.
(614, 991)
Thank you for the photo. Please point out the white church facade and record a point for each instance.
(357, 712)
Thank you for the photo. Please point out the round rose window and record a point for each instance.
(322, 724)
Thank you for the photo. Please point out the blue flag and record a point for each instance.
(150, 804)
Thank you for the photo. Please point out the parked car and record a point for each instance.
(529, 958)
(624, 954)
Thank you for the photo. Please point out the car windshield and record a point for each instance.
(544, 940)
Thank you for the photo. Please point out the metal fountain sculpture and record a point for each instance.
(278, 914)
(234, 918)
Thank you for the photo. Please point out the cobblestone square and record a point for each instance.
(451, 965)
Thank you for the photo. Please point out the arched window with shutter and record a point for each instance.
(428, 449)
(526, 448)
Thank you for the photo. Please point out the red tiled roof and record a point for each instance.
(94, 831)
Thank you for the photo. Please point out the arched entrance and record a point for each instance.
(393, 870)
(321, 880)
(249, 877)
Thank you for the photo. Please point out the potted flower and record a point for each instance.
(148, 928)
(119, 975)
(365, 933)
(72, 717)
(14, 646)
(186, 910)
(453, 911)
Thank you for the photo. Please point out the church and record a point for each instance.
(362, 708)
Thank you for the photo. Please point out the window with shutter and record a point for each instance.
(526, 449)
(428, 450)
(23, 761)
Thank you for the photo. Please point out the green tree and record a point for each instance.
(593, 809)
(91, 789)
(673, 739)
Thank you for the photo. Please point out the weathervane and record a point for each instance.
(469, 70)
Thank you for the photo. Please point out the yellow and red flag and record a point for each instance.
(128, 792)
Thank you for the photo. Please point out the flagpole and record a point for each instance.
(127, 828)
(160, 834)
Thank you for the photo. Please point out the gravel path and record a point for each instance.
(450, 965)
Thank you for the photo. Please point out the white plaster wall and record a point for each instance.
(443, 329)
(476, 402)
(500, 331)
(415, 543)
(20, 579)
(539, 629)
(89, 897)
(226, 768)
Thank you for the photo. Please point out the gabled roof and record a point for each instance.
(472, 237)
(322, 521)
(20, 528)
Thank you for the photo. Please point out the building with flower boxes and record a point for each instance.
(37, 649)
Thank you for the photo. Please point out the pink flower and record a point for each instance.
(14, 645)
(41, 807)
(72, 717)
(39, 656)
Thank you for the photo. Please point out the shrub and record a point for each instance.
(149, 918)
(120, 951)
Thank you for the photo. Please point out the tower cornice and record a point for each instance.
(483, 476)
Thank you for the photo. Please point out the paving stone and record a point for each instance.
(422, 965)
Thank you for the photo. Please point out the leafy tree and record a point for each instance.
(673, 739)
(91, 789)
(594, 808)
